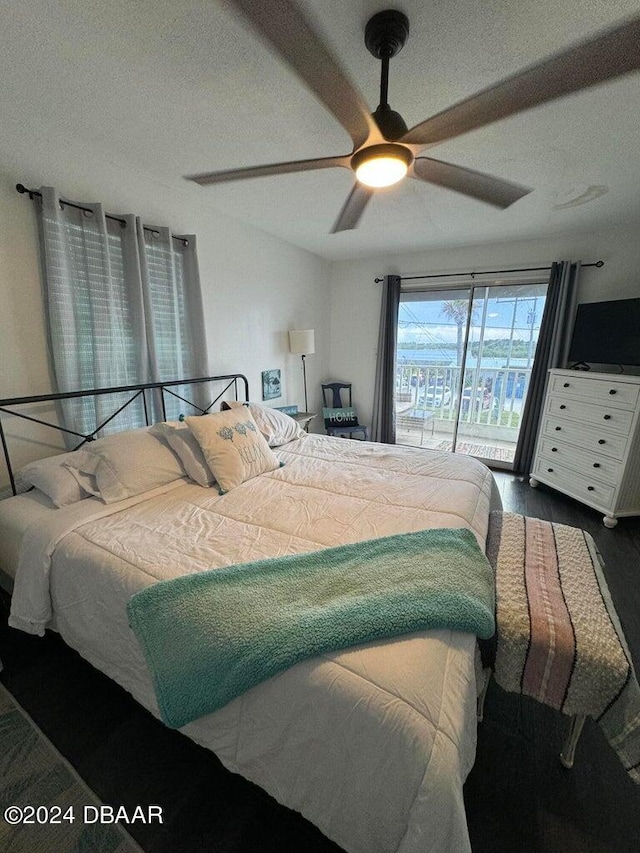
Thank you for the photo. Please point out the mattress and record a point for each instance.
(371, 743)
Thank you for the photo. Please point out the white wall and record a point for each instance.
(355, 299)
(255, 287)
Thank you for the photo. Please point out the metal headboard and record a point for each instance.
(137, 391)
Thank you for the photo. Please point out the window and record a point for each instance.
(463, 365)
(123, 307)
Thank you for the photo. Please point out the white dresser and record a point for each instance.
(588, 444)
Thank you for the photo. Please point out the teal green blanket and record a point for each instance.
(208, 637)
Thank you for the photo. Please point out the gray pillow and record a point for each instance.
(183, 443)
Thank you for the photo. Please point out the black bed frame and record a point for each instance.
(7, 406)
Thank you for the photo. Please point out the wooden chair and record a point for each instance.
(332, 394)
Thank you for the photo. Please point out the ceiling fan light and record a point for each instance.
(381, 171)
(381, 165)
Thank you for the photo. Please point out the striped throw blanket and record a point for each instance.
(558, 637)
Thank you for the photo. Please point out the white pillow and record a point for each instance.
(53, 477)
(126, 464)
(275, 426)
(184, 444)
(233, 447)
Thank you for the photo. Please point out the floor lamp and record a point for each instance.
(302, 342)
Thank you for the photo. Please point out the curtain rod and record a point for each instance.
(483, 272)
(31, 193)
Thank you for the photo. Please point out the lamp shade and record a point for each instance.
(302, 342)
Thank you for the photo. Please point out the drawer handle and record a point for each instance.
(550, 470)
(607, 417)
(566, 385)
(591, 488)
(613, 391)
(596, 464)
(563, 406)
(558, 429)
(554, 449)
(601, 441)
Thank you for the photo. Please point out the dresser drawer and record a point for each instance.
(613, 392)
(570, 482)
(606, 417)
(587, 439)
(588, 464)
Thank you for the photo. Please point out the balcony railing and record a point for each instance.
(488, 402)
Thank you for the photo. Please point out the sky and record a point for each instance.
(424, 321)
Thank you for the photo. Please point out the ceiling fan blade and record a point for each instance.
(270, 169)
(608, 55)
(285, 28)
(475, 184)
(353, 208)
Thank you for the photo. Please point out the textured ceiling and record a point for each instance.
(177, 88)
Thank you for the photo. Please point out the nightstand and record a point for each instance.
(304, 419)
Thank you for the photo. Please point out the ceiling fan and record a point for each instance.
(384, 149)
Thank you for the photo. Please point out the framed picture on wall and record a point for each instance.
(271, 384)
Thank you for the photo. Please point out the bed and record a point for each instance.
(371, 743)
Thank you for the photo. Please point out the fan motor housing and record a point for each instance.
(385, 149)
(390, 122)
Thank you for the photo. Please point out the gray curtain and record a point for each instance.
(122, 305)
(174, 315)
(551, 351)
(383, 426)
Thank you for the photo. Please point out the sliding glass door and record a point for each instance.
(463, 365)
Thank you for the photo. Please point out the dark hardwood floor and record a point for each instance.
(519, 798)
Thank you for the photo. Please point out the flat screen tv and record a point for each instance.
(607, 333)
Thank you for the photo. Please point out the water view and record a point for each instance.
(463, 366)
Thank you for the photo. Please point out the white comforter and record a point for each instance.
(372, 743)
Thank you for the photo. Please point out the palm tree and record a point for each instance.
(456, 310)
